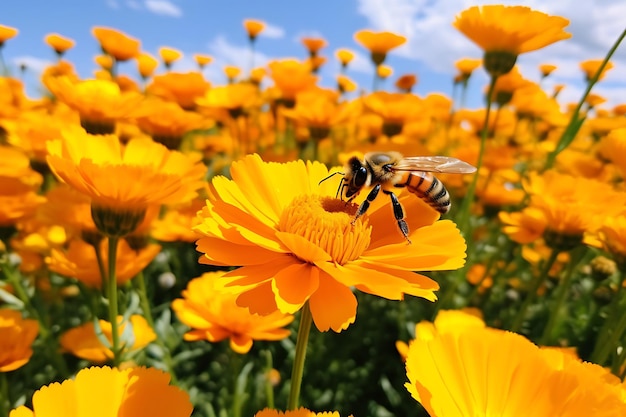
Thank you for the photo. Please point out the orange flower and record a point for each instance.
(504, 32)
(59, 43)
(146, 64)
(313, 45)
(384, 71)
(591, 66)
(16, 337)
(213, 314)
(345, 56)
(232, 72)
(6, 33)
(406, 82)
(202, 60)
(79, 261)
(345, 84)
(85, 341)
(101, 168)
(110, 392)
(300, 412)
(116, 43)
(169, 55)
(178, 222)
(291, 77)
(467, 65)
(183, 88)
(525, 226)
(296, 243)
(546, 69)
(378, 43)
(253, 27)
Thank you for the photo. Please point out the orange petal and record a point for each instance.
(224, 253)
(302, 248)
(254, 275)
(333, 305)
(259, 300)
(240, 343)
(294, 285)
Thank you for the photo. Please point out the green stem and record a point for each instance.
(269, 389)
(298, 362)
(112, 294)
(140, 282)
(574, 122)
(609, 332)
(235, 363)
(532, 291)
(5, 401)
(464, 211)
(562, 292)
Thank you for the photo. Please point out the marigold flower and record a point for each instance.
(591, 66)
(213, 314)
(396, 109)
(169, 55)
(504, 32)
(291, 77)
(177, 223)
(378, 43)
(296, 243)
(202, 60)
(253, 28)
(525, 226)
(59, 43)
(100, 103)
(183, 88)
(79, 261)
(146, 64)
(112, 392)
(406, 82)
(101, 169)
(467, 65)
(384, 71)
(84, 342)
(116, 43)
(6, 33)
(232, 72)
(344, 56)
(313, 45)
(546, 69)
(484, 371)
(16, 337)
(345, 84)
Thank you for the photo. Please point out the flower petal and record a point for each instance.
(294, 285)
(302, 248)
(223, 253)
(259, 300)
(333, 305)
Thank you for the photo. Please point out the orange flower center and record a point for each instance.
(327, 223)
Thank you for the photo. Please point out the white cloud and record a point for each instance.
(113, 4)
(434, 41)
(163, 7)
(33, 64)
(224, 53)
(273, 32)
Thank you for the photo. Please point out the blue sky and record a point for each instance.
(215, 28)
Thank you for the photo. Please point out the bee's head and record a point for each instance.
(355, 176)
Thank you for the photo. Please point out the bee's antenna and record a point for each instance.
(330, 176)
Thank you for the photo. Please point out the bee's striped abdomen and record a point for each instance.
(426, 186)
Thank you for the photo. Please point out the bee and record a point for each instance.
(384, 170)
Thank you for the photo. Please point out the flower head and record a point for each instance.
(379, 43)
(214, 315)
(504, 32)
(116, 43)
(6, 33)
(253, 28)
(591, 66)
(169, 55)
(296, 243)
(146, 64)
(59, 43)
(112, 392)
(16, 337)
(300, 412)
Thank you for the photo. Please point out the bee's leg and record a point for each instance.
(366, 203)
(398, 213)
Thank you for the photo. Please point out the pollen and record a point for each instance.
(326, 222)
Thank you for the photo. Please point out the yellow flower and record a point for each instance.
(318, 111)
(116, 43)
(183, 88)
(313, 45)
(344, 56)
(525, 226)
(489, 372)
(591, 66)
(291, 77)
(378, 43)
(384, 71)
(396, 109)
(84, 342)
(79, 261)
(504, 32)
(101, 168)
(232, 72)
(59, 43)
(18, 186)
(110, 392)
(202, 60)
(467, 65)
(16, 337)
(253, 27)
(546, 69)
(612, 237)
(6, 33)
(300, 412)
(296, 244)
(100, 103)
(613, 148)
(345, 84)
(213, 314)
(169, 55)
(177, 223)
(146, 64)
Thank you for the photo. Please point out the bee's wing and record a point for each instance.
(444, 164)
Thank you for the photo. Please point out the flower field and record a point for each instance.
(270, 247)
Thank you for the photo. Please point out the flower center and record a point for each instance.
(327, 222)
